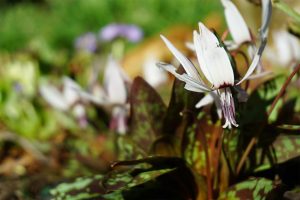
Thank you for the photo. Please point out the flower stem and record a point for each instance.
(282, 90)
(208, 167)
(286, 9)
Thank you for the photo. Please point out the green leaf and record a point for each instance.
(134, 179)
(253, 188)
(284, 148)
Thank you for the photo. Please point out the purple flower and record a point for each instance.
(128, 31)
(86, 42)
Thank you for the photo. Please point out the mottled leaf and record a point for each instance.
(284, 148)
(81, 188)
(203, 134)
(253, 188)
(182, 103)
(158, 176)
(147, 114)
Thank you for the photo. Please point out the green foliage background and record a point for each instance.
(60, 22)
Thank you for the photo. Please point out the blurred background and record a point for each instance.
(44, 136)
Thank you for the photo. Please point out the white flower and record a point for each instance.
(237, 26)
(114, 90)
(214, 63)
(112, 95)
(67, 99)
(286, 49)
(153, 75)
(240, 32)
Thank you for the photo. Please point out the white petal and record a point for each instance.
(192, 88)
(255, 61)
(200, 51)
(209, 39)
(206, 100)
(186, 63)
(196, 84)
(230, 45)
(54, 97)
(213, 59)
(96, 99)
(259, 75)
(114, 83)
(287, 48)
(220, 67)
(79, 111)
(190, 46)
(152, 74)
(70, 90)
(210, 98)
(236, 23)
(119, 114)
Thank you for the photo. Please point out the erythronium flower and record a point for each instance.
(286, 49)
(153, 75)
(215, 65)
(65, 100)
(113, 95)
(236, 24)
(240, 32)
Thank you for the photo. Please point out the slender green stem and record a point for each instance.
(286, 9)
(282, 90)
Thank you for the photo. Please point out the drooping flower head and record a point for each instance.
(113, 95)
(241, 33)
(128, 31)
(215, 65)
(236, 24)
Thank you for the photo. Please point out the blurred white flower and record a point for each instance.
(66, 99)
(215, 65)
(152, 74)
(112, 95)
(286, 49)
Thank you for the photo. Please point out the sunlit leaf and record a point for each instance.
(160, 177)
(253, 188)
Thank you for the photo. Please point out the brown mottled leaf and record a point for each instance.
(253, 188)
(182, 102)
(147, 113)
